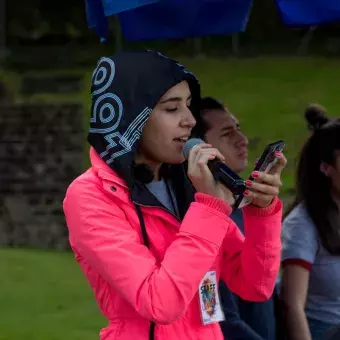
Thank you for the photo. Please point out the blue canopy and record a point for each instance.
(185, 18)
(161, 19)
(166, 19)
(308, 12)
(98, 10)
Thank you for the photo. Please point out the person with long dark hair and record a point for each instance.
(310, 286)
(152, 238)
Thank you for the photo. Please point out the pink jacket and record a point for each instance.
(134, 285)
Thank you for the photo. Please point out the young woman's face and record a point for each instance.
(168, 128)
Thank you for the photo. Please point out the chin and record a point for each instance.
(241, 167)
(175, 160)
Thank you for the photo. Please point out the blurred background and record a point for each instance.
(266, 68)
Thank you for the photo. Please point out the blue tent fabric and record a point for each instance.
(96, 18)
(112, 7)
(308, 12)
(98, 10)
(169, 19)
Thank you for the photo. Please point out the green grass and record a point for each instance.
(44, 296)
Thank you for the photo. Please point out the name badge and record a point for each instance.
(211, 309)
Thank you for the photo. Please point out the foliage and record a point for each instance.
(51, 22)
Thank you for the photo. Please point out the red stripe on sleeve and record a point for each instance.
(298, 262)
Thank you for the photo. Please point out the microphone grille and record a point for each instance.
(192, 142)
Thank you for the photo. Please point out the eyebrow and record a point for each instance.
(174, 99)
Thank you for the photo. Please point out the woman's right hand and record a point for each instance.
(201, 176)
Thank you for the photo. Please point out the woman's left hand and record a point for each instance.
(265, 186)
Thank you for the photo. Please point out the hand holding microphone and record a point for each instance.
(199, 154)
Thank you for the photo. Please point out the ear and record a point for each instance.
(325, 169)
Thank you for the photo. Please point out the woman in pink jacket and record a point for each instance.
(153, 240)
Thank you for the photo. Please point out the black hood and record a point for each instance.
(125, 89)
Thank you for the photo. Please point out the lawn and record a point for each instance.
(44, 296)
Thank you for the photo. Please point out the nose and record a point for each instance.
(188, 119)
(242, 140)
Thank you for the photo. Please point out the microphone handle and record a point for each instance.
(227, 177)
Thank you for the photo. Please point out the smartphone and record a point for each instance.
(264, 164)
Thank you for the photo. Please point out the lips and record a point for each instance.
(243, 154)
(181, 139)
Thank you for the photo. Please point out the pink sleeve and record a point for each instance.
(251, 264)
(101, 234)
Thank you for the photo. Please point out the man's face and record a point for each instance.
(224, 134)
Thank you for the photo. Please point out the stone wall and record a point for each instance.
(41, 152)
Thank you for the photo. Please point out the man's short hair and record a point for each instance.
(209, 103)
(202, 125)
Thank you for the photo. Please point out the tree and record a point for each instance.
(41, 21)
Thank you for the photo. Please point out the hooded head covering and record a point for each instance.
(125, 89)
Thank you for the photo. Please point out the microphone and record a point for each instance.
(220, 171)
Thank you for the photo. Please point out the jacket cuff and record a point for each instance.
(214, 203)
(272, 209)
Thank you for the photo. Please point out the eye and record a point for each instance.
(232, 131)
(174, 109)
